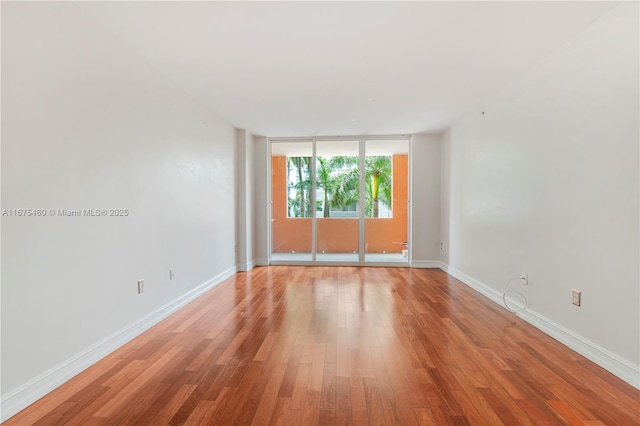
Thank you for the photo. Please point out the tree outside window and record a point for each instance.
(337, 181)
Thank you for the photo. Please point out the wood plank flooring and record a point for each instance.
(324, 345)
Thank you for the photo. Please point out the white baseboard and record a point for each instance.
(424, 264)
(17, 400)
(261, 262)
(244, 267)
(621, 368)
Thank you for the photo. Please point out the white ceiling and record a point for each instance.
(334, 68)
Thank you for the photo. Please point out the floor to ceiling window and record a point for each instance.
(292, 201)
(386, 202)
(338, 183)
(339, 200)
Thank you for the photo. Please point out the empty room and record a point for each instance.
(300, 213)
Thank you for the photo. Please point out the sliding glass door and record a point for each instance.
(338, 192)
(386, 207)
(292, 201)
(339, 201)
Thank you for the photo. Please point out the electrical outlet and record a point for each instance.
(441, 244)
(576, 297)
(172, 274)
(525, 278)
(236, 248)
(140, 286)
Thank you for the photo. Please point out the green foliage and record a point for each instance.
(338, 178)
(343, 183)
(378, 169)
(331, 172)
(300, 205)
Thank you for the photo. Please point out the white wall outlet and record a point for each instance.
(576, 300)
(140, 286)
(172, 274)
(525, 278)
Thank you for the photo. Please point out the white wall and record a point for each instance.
(546, 182)
(445, 210)
(425, 200)
(246, 202)
(261, 207)
(86, 124)
(251, 199)
(250, 193)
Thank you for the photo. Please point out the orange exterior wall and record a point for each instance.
(338, 235)
(287, 234)
(380, 234)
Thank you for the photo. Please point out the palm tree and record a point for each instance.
(325, 182)
(378, 170)
(378, 185)
(338, 177)
(346, 191)
(301, 204)
(332, 181)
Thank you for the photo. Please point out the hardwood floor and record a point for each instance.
(313, 345)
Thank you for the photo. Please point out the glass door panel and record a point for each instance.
(291, 201)
(337, 195)
(386, 207)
